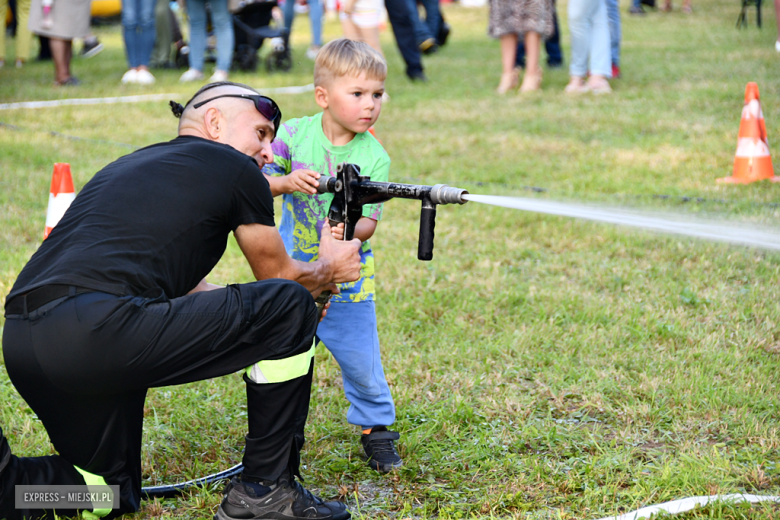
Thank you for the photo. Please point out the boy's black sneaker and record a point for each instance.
(380, 449)
(287, 501)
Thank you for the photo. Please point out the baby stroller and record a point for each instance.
(253, 23)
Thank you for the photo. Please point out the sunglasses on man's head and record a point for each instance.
(265, 105)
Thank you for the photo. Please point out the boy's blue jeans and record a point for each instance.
(349, 332)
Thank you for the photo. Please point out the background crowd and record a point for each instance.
(522, 27)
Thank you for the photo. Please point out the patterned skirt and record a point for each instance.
(520, 16)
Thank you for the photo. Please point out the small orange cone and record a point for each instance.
(752, 161)
(60, 196)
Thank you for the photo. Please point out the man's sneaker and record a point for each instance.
(91, 48)
(380, 449)
(288, 500)
(636, 9)
(429, 46)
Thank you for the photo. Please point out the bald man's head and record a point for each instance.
(190, 115)
(220, 112)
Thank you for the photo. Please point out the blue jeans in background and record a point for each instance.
(589, 30)
(315, 17)
(615, 33)
(429, 28)
(400, 16)
(222, 22)
(138, 31)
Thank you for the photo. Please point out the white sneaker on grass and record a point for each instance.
(130, 76)
(144, 77)
(219, 75)
(191, 75)
(312, 52)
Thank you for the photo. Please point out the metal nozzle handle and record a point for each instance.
(443, 194)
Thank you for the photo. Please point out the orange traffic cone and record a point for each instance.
(752, 161)
(60, 196)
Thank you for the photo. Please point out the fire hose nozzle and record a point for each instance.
(443, 194)
(328, 184)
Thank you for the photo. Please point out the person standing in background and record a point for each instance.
(223, 27)
(511, 19)
(589, 30)
(69, 19)
(23, 34)
(138, 29)
(315, 17)
(400, 15)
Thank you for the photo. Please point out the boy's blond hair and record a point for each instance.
(344, 57)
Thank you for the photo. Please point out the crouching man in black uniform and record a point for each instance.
(115, 302)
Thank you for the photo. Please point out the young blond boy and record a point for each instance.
(349, 79)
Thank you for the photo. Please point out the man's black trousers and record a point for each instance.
(84, 364)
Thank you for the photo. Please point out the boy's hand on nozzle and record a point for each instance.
(302, 180)
(338, 231)
(343, 258)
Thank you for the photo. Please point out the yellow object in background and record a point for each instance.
(104, 8)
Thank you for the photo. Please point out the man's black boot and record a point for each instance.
(5, 452)
(287, 500)
(380, 449)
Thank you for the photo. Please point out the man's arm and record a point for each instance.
(263, 248)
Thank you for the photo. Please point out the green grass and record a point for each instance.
(542, 367)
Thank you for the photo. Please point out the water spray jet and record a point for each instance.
(713, 231)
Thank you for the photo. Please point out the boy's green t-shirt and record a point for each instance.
(301, 143)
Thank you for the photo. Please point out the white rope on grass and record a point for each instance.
(135, 99)
(86, 101)
(686, 504)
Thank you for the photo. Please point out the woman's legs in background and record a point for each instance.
(369, 35)
(61, 52)
(600, 51)
(196, 12)
(138, 29)
(581, 13)
(532, 80)
(223, 28)
(508, 72)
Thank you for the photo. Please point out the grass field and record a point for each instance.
(542, 367)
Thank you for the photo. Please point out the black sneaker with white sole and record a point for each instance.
(288, 500)
(380, 449)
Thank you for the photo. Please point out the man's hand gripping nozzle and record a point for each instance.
(352, 191)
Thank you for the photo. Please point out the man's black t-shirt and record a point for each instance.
(158, 218)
